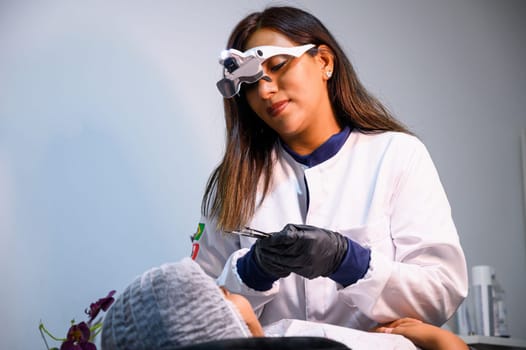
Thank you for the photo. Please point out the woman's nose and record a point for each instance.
(266, 87)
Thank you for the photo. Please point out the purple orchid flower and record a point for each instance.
(78, 338)
(101, 304)
(81, 335)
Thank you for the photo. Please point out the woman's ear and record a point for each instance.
(325, 57)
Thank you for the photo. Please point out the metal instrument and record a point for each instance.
(250, 232)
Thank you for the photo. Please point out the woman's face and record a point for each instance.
(246, 311)
(295, 103)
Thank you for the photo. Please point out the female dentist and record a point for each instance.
(350, 223)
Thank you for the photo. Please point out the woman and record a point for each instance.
(362, 232)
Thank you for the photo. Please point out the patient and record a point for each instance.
(177, 305)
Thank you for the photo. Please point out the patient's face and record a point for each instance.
(246, 311)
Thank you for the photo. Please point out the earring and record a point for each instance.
(328, 74)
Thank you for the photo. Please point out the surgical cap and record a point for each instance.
(172, 305)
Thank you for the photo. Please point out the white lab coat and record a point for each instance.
(383, 192)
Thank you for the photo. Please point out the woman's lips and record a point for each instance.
(277, 108)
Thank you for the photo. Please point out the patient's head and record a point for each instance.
(172, 305)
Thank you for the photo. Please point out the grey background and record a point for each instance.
(110, 124)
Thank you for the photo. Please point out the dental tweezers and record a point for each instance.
(250, 232)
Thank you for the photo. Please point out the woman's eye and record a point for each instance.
(276, 67)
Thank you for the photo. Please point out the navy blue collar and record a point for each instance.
(328, 149)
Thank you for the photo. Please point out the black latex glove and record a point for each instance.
(306, 250)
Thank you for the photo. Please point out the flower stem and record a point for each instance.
(95, 330)
(43, 330)
(40, 327)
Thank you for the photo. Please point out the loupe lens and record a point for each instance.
(230, 64)
(227, 87)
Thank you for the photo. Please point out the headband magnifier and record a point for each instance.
(245, 67)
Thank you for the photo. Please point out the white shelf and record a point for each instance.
(494, 342)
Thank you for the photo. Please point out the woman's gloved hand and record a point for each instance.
(305, 250)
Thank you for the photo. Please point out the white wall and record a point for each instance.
(110, 124)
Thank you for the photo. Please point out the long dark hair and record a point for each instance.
(231, 192)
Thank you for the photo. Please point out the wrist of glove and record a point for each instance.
(308, 251)
(253, 274)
